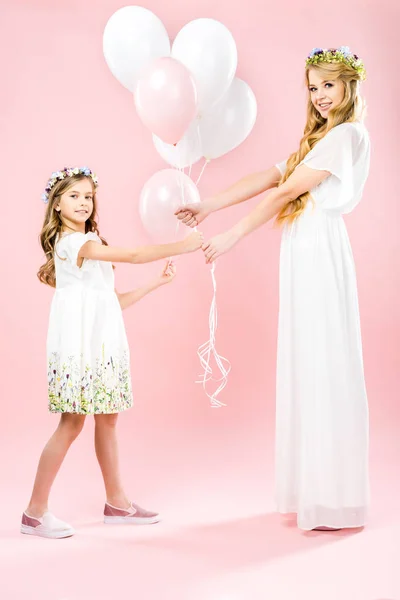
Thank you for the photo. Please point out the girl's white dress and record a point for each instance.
(322, 410)
(87, 347)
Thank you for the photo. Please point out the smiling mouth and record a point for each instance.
(80, 212)
(325, 105)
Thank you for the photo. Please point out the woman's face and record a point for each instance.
(325, 94)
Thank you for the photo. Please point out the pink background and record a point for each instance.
(208, 471)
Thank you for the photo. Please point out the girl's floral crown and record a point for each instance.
(342, 54)
(67, 172)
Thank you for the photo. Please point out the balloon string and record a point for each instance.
(207, 160)
(207, 351)
(170, 259)
(182, 190)
(197, 140)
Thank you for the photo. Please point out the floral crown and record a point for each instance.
(332, 55)
(67, 172)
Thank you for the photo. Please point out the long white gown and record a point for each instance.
(322, 409)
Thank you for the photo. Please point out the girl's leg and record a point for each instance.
(118, 509)
(107, 454)
(51, 460)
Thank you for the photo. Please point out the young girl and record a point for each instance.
(322, 412)
(88, 352)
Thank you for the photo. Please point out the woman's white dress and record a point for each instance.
(87, 347)
(322, 410)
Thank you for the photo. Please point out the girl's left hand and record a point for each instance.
(168, 274)
(218, 245)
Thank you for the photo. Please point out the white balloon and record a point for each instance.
(208, 50)
(228, 124)
(186, 152)
(132, 38)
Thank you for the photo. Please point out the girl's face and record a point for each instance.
(76, 204)
(325, 94)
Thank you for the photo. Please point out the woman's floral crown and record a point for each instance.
(332, 55)
(67, 172)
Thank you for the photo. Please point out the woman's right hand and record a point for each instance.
(192, 214)
(193, 242)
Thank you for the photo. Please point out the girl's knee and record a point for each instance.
(107, 421)
(72, 424)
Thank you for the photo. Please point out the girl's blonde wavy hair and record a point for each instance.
(53, 226)
(350, 109)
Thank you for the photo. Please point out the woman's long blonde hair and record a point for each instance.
(53, 226)
(350, 109)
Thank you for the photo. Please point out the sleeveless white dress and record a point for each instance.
(87, 347)
(322, 410)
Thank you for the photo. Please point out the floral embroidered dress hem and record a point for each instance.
(87, 349)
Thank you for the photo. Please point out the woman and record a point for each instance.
(322, 410)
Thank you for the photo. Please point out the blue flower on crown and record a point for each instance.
(45, 198)
(315, 51)
(345, 50)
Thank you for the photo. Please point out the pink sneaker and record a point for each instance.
(47, 526)
(134, 515)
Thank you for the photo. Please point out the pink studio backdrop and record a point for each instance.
(60, 105)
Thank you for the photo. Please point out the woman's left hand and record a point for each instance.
(218, 245)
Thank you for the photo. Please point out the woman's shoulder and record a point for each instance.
(352, 134)
(353, 129)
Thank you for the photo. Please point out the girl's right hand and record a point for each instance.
(193, 242)
(192, 214)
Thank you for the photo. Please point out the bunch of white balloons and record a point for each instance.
(189, 98)
(187, 94)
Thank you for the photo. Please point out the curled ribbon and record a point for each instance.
(207, 351)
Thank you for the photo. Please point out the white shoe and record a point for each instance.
(134, 515)
(47, 526)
